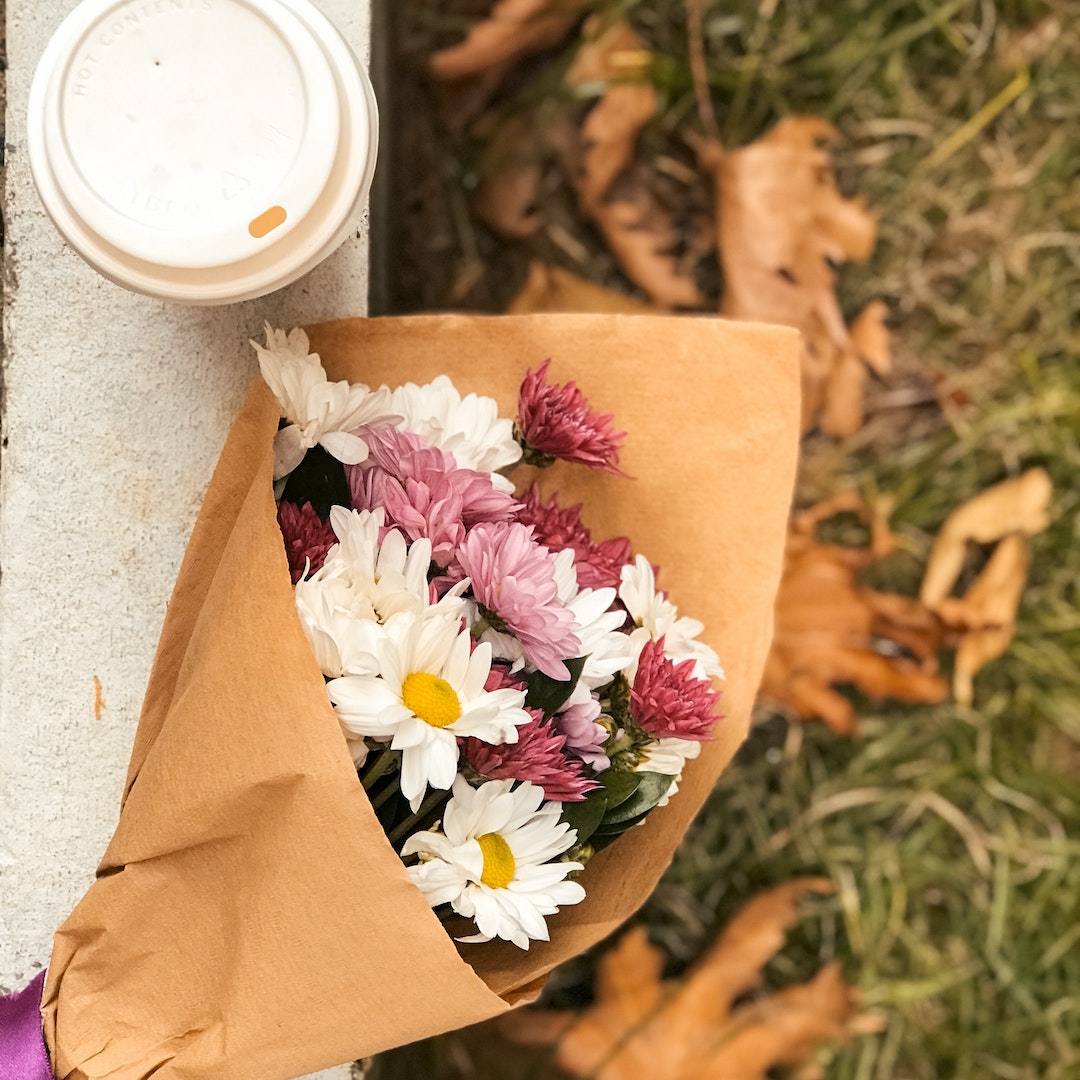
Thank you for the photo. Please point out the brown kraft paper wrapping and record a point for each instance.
(249, 920)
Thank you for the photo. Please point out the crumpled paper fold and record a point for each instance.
(249, 920)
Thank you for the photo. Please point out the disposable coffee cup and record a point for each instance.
(202, 151)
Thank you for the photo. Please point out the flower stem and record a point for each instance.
(387, 793)
(386, 760)
(408, 826)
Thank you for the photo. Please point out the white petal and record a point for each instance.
(289, 451)
(347, 448)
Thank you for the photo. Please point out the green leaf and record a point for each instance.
(586, 814)
(599, 840)
(619, 786)
(632, 811)
(650, 789)
(550, 695)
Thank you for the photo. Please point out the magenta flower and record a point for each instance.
(423, 491)
(307, 538)
(585, 738)
(556, 422)
(513, 580)
(499, 678)
(667, 700)
(598, 566)
(537, 756)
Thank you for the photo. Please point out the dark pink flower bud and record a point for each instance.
(556, 422)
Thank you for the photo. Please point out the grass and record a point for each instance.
(952, 835)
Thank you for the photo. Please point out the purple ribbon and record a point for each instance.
(22, 1046)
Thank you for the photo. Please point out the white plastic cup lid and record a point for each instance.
(202, 151)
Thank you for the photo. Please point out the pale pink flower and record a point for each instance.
(307, 538)
(585, 738)
(556, 422)
(667, 700)
(423, 491)
(513, 581)
(537, 756)
(598, 566)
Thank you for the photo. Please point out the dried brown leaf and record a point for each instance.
(1019, 504)
(518, 149)
(987, 612)
(831, 630)
(841, 386)
(756, 933)
(550, 289)
(787, 1027)
(515, 28)
(613, 189)
(870, 336)
(783, 228)
(628, 992)
(984, 618)
(641, 1028)
(839, 393)
(473, 70)
(506, 199)
(641, 235)
(609, 136)
(615, 55)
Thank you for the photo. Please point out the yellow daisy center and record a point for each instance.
(430, 698)
(499, 866)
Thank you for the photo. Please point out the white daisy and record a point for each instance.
(339, 622)
(429, 690)
(668, 756)
(318, 410)
(391, 574)
(469, 428)
(363, 584)
(492, 860)
(598, 628)
(657, 617)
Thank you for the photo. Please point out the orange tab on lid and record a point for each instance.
(267, 221)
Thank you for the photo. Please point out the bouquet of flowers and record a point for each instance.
(513, 690)
(515, 695)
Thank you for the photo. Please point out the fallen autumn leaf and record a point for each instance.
(983, 620)
(1016, 505)
(474, 68)
(831, 630)
(782, 229)
(642, 1027)
(614, 189)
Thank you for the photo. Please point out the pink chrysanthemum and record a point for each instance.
(598, 566)
(585, 738)
(499, 678)
(423, 491)
(307, 538)
(513, 580)
(556, 422)
(537, 756)
(667, 700)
